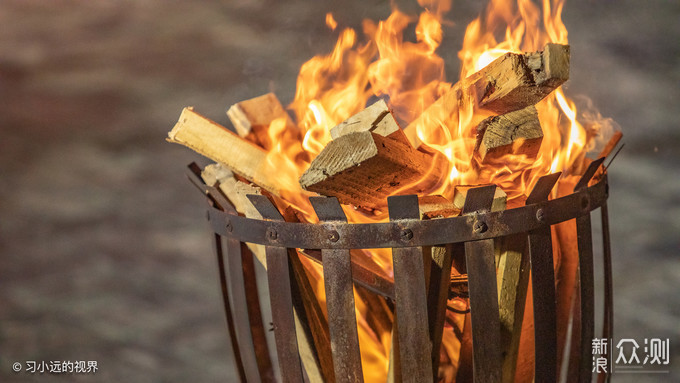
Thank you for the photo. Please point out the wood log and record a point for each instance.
(252, 118)
(517, 133)
(513, 282)
(363, 168)
(235, 190)
(511, 82)
(376, 118)
(436, 206)
(460, 194)
(218, 143)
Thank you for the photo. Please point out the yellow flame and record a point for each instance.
(410, 76)
(330, 21)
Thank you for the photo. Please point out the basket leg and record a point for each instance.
(227, 307)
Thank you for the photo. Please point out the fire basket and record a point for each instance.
(419, 302)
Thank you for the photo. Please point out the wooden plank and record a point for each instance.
(251, 119)
(436, 206)
(511, 82)
(376, 118)
(236, 192)
(363, 168)
(517, 133)
(513, 280)
(218, 143)
(460, 193)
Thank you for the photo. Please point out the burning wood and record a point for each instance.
(366, 157)
(376, 118)
(436, 206)
(252, 118)
(511, 82)
(517, 133)
(363, 168)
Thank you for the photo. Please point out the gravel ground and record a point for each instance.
(105, 254)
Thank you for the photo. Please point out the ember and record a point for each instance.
(495, 141)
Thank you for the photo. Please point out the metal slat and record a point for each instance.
(586, 275)
(437, 296)
(543, 287)
(217, 243)
(587, 287)
(484, 315)
(254, 355)
(337, 271)
(608, 323)
(411, 298)
(279, 278)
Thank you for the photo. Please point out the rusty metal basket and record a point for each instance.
(418, 308)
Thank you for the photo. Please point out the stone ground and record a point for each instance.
(105, 254)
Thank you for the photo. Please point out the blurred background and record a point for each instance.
(104, 250)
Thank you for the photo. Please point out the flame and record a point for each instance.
(410, 76)
(330, 21)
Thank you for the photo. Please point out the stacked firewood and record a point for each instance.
(371, 157)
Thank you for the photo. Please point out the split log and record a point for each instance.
(436, 206)
(513, 281)
(460, 194)
(363, 168)
(235, 190)
(218, 143)
(252, 118)
(511, 82)
(376, 118)
(517, 133)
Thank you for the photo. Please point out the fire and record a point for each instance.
(410, 76)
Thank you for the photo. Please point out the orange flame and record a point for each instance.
(330, 21)
(410, 76)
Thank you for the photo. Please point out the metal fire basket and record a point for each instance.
(419, 309)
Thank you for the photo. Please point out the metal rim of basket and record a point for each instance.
(413, 232)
